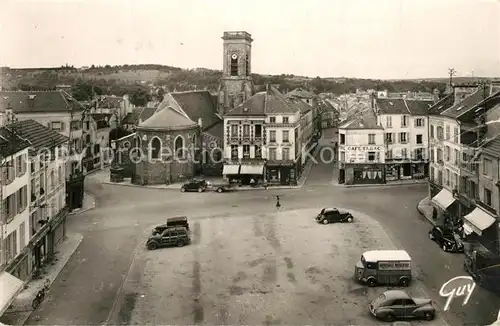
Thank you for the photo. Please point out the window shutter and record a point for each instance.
(415, 122)
(423, 122)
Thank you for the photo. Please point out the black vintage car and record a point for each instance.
(177, 236)
(194, 185)
(332, 215)
(447, 239)
(172, 222)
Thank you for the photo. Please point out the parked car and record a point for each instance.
(397, 304)
(223, 187)
(332, 215)
(447, 239)
(194, 185)
(172, 222)
(176, 236)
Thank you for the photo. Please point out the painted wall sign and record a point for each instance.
(359, 154)
(364, 148)
(460, 286)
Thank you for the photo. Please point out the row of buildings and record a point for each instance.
(239, 133)
(454, 141)
(33, 161)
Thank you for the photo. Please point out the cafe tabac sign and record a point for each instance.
(358, 154)
(364, 148)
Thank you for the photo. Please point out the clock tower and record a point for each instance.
(236, 84)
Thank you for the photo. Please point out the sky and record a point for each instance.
(387, 39)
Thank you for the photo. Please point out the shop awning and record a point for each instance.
(467, 229)
(443, 199)
(478, 220)
(252, 169)
(230, 169)
(11, 286)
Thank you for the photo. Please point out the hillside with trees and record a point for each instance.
(140, 79)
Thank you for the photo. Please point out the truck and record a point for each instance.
(384, 267)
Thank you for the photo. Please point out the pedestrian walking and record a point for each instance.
(278, 205)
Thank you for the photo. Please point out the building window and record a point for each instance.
(457, 157)
(419, 122)
(285, 154)
(179, 146)
(342, 139)
(447, 135)
(371, 139)
(285, 120)
(447, 153)
(258, 131)
(11, 246)
(285, 135)
(404, 121)
(487, 197)
(419, 154)
(487, 170)
(388, 154)
(87, 125)
(419, 139)
(246, 151)
(22, 234)
(234, 65)
(258, 152)
(272, 154)
(234, 131)
(402, 138)
(272, 119)
(432, 155)
(388, 121)
(404, 153)
(371, 156)
(272, 136)
(432, 131)
(431, 173)
(234, 152)
(56, 125)
(388, 138)
(448, 179)
(155, 147)
(342, 156)
(456, 135)
(246, 130)
(439, 132)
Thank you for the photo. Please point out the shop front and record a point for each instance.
(58, 229)
(403, 171)
(364, 174)
(41, 248)
(281, 173)
(231, 172)
(251, 174)
(446, 206)
(480, 226)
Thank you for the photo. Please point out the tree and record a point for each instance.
(140, 97)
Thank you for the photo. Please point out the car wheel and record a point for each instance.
(428, 315)
(325, 221)
(183, 189)
(350, 219)
(444, 248)
(200, 190)
(180, 243)
(152, 246)
(371, 282)
(431, 236)
(404, 281)
(219, 190)
(390, 317)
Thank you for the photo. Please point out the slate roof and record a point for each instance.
(254, 106)
(367, 120)
(216, 130)
(38, 102)
(197, 104)
(167, 118)
(465, 105)
(492, 147)
(419, 107)
(39, 135)
(392, 106)
(304, 107)
(442, 105)
(131, 118)
(140, 113)
(11, 143)
(300, 93)
(146, 113)
(480, 108)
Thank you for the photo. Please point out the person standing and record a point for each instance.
(278, 205)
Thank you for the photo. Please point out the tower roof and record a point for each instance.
(237, 35)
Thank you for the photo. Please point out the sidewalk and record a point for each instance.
(19, 312)
(388, 184)
(88, 204)
(426, 208)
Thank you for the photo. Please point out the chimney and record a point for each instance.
(200, 122)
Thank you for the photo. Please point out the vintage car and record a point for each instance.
(194, 185)
(171, 222)
(447, 239)
(177, 236)
(397, 304)
(332, 215)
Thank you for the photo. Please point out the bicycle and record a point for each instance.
(40, 296)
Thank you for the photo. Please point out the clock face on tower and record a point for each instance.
(234, 56)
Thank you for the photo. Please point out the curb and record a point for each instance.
(385, 185)
(178, 189)
(77, 212)
(423, 214)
